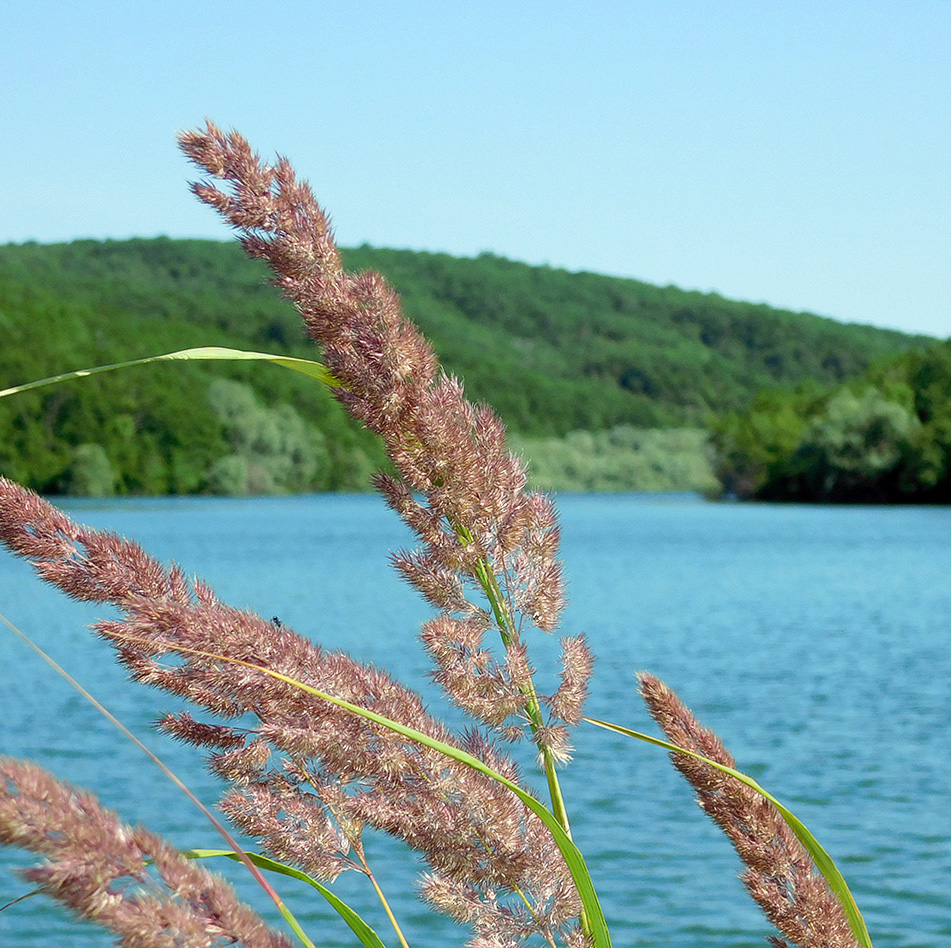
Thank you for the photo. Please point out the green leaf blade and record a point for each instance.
(573, 857)
(358, 925)
(314, 370)
(600, 935)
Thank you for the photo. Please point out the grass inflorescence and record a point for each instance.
(314, 747)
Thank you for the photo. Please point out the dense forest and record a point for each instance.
(605, 383)
(884, 437)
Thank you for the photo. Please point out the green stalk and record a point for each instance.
(387, 909)
(490, 586)
(357, 847)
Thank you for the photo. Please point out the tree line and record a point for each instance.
(563, 357)
(884, 437)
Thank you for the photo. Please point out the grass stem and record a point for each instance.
(490, 586)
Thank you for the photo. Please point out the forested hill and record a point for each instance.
(552, 351)
(604, 350)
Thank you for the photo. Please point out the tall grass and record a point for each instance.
(315, 747)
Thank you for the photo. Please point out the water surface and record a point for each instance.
(815, 640)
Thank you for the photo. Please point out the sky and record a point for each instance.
(791, 153)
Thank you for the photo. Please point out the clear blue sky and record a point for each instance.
(795, 153)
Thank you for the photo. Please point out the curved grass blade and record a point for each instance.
(597, 926)
(21, 898)
(822, 859)
(202, 353)
(357, 925)
(240, 854)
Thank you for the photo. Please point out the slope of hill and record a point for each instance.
(552, 351)
(656, 355)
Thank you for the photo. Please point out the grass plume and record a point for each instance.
(307, 777)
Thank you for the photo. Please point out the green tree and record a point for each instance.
(624, 458)
(90, 472)
(853, 449)
(273, 449)
(752, 448)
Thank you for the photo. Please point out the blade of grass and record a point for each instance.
(357, 925)
(597, 925)
(202, 353)
(824, 862)
(21, 898)
(228, 838)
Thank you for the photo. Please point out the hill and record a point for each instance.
(554, 352)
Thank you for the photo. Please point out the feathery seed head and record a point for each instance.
(126, 879)
(780, 874)
(472, 514)
(306, 776)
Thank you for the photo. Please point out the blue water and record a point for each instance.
(815, 640)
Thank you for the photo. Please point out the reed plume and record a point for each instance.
(780, 875)
(306, 776)
(488, 553)
(121, 877)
